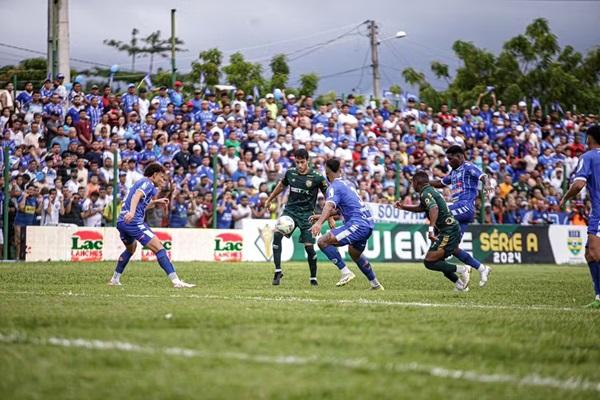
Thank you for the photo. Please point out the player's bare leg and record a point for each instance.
(592, 256)
(328, 245)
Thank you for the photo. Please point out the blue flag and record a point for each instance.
(256, 93)
(202, 80)
(148, 81)
(535, 103)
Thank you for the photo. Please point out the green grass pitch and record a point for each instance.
(64, 334)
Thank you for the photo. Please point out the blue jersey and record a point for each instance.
(146, 186)
(463, 183)
(343, 195)
(588, 170)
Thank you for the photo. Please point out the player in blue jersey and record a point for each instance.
(588, 173)
(132, 228)
(464, 181)
(341, 198)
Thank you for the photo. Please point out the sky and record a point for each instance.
(263, 28)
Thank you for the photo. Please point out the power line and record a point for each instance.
(44, 54)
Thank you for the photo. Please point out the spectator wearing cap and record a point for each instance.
(176, 95)
(239, 100)
(161, 101)
(130, 99)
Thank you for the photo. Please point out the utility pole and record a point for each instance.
(173, 69)
(375, 60)
(52, 38)
(58, 39)
(64, 67)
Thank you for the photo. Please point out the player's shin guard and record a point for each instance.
(443, 266)
(468, 259)
(277, 238)
(365, 267)
(334, 255)
(312, 260)
(165, 264)
(595, 271)
(122, 262)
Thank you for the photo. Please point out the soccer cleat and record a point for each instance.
(460, 286)
(345, 278)
(179, 284)
(277, 278)
(314, 282)
(378, 287)
(465, 277)
(594, 304)
(114, 282)
(484, 275)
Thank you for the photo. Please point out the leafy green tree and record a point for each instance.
(396, 89)
(281, 72)
(209, 63)
(308, 84)
(530, 65)
(243, 74)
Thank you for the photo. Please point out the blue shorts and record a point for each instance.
(132, 232)
(355, 235)
(464, 214)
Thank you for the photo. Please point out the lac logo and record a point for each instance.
(575, 242)
(86, 246)
(167, 242)
(228, 247)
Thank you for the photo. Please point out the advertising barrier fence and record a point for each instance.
(390, 242)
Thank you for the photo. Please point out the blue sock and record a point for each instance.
(122, 262)
(468, 259)
(595, 271)
(165, 263)
(334, 255)
(365, 267)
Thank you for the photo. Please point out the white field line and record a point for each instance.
(572, 383)
(294, 299)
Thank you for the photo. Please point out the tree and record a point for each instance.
(396, 89)
(281, 72)
(28, 70)
(157, 46)
(130, 48)
(243, 74)
(308, 84)
(209, 64)
(531, 64)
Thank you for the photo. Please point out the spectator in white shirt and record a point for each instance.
(242, 212)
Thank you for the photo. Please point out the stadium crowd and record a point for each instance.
(62, 145)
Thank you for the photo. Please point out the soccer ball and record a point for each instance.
(285, 225)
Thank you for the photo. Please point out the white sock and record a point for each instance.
(374, 283)
(461, 269)
(313, 278)
(278, 270)
(345, 271)
(173, 277)
(116, 276)
(598, 297)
